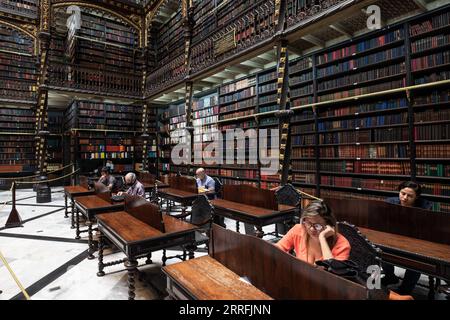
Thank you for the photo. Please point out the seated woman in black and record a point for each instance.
(409, 196)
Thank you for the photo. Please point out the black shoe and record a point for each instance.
(389, 280)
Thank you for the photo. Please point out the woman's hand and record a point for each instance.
(327, 232)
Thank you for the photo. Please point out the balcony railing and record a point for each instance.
(98, 81)
(298, 14)
(166, 75)
(246, 31)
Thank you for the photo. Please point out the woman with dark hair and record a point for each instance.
(316, 237)
(409, 196)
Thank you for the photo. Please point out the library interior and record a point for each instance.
(225, 150)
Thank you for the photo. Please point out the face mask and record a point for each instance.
(130, 184)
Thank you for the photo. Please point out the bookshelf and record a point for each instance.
(237, 100)
(103, 131)
(18, 66)
(151, 147)
(24, 8)
(104, 55)
(430, 61)
(364, 147)
(163, 137)
(169, 38)
(205, 114)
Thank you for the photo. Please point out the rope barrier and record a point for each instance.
(14, 276)
(308, 195)
(46, 181)
(37, 175)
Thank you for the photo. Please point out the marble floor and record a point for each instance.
(52, 265)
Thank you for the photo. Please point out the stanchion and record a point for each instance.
(14, 220)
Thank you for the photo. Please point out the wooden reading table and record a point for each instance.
(412, 238)
(273, 274)
(252, 205)
(140, 230)
(89, 207)
(72, 192)
(182, 190)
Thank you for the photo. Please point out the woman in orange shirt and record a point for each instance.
(316, 237)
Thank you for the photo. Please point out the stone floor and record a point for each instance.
(52, 265)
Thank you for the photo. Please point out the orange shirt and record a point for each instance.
(296, 239)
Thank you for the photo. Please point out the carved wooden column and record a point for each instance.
(43, 191)
(145, 138)
(284, 114)
(186, 9)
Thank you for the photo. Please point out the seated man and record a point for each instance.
(135, 188)
(107, 179)
(204, 182)
(409, 196)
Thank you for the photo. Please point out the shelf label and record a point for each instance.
(225, 43)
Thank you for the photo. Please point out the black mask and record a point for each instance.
(130, 184)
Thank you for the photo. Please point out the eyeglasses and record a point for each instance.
(316, 226)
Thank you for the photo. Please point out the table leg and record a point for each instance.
(149, 259)
(131, 265)
(91, 249)
(164, 258)
(72, 213)
(191, 250)
(101, 266)
(431, 293)
(65, 206)
(77, 218)
(259, 232)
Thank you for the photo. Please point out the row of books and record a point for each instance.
(367, 167)
(430, 43)
(379, 57)
(386, 85)
(239, 95)
(428, 25)
(272, 98)
(366, 151)
(266, 77)
(304, 77)
(304, 178)
(436, 189)
(207, 112)
(306, 90)
(106, 148)
(439, 75)
(361, 46)
(432, 132)
(371, 184)
(365, 76)
(104, 155)
(391, 119)
(436, 96)
(267, 88)
(300, 65)
(358, 108)
(238, 85)
(381, 135)
(238, 114)
(430, 61)
(433, 169)
(244, 104)
(243, 174)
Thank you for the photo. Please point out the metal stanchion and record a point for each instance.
(14, 220)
